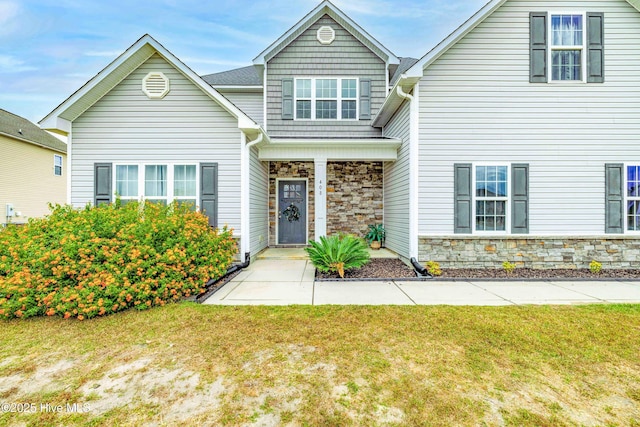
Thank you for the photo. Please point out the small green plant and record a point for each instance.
(433, 267)
(376, 233)
(338, 253)
(509, 267)
(595, 267)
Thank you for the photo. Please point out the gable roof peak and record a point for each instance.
(326, 8)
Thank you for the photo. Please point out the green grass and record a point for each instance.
(189, 364)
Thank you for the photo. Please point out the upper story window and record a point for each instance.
(567, 47)
(326, 99)
(57, 165)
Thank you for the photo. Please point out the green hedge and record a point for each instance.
(100, 260)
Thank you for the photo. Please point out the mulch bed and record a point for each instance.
(380, 268)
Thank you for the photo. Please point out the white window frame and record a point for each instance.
(170, 197)
(55, 165)
(507, 200)
(553, 48)
(314, 98)
(627, 198)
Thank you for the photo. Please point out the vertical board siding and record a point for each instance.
(306, 57)
(251, 103)
(27, 180)
(185, 126)
(396, 185)
(259, 203)
(477, 105)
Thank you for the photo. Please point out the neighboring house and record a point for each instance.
(33, 171)
(515, 139)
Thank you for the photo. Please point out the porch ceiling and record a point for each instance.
(365, 149)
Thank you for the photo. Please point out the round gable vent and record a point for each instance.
(155, 85)
(326, 35)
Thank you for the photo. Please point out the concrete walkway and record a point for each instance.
(291, 281)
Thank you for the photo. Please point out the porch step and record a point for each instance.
(283, 253)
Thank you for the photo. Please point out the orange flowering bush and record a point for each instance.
(100, 260)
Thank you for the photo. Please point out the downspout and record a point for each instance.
(403, 94)
(413, 174)
(258, 140)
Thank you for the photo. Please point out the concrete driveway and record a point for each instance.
(291, 281)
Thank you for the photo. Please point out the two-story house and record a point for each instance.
(514, 139)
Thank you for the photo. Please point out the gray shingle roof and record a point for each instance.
(245, 76)
(21, 128)
(405, 64)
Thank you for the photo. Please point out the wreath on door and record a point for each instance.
(292, 213)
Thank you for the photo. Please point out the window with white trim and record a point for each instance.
(161, 183)
(567, 46)
(57, 165)
(633, 198)
(326, 99)
(491, 193)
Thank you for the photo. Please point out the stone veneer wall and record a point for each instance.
(531, 252)
(291, 170)
(354, 196)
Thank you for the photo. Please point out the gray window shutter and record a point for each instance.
(520, 199)
(463, 198)
(365, 99)
(102, 184)
(287, 99)
(614, 198)
(595, 47)
(209, 192)
(538, 47)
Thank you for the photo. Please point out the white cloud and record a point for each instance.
(8, 11)
(10, 64)
(104, 53)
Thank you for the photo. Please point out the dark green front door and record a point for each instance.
(292, 212)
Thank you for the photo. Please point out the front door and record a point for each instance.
(292, 212)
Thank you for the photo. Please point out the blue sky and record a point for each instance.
(50, 48)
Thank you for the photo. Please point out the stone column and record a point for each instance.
(320, 197)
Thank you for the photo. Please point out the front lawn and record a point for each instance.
(189, 364)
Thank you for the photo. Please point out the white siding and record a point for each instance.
(259, 203)
(477, 105)
(251, 103)
(186, 125)
(396, 185)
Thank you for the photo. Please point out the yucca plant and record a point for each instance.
(338, 253)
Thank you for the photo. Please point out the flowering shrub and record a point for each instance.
(100, 260)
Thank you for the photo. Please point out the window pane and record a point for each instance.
(127, 180)
(566, 65)
(566, 30)
(326, 88)
(348, 88)
(155, 181)
(326, 109)
(633, 181)
(184, 181)
(633, 215)
(303, 88)
(348, 109)
(303, 109)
